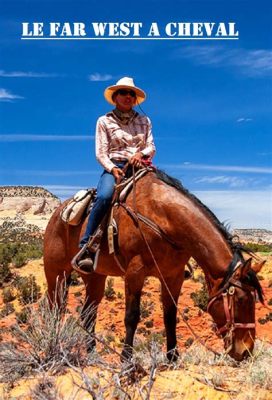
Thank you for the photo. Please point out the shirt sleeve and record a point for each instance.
(102, 146)
(150, 148)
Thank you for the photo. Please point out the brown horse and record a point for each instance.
(191, 230)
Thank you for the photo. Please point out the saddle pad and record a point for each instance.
(77, 207)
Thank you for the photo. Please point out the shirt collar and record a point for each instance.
(124, 117)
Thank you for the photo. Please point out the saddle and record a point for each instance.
(121, 192)
(82, 204)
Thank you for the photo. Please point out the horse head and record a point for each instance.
(233, 308)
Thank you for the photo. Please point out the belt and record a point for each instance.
(119, 159)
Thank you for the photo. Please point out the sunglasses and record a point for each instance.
(124, 92)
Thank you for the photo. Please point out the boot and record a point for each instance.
(83, 261)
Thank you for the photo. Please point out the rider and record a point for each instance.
(122, 135)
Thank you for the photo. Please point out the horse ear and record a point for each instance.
(246, 267)
(257, 267)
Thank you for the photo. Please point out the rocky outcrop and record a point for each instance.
(34, 204)
(27, 199)
(25, 191)
(254, 235)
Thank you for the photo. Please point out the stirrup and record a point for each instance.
(79, 264)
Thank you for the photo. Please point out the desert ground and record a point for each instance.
(197, 375)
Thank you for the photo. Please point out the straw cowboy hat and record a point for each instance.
(124, 83)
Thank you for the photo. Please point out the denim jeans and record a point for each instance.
(105, 189)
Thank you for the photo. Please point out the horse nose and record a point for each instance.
(239, 356)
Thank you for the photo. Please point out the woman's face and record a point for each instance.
(124, 99)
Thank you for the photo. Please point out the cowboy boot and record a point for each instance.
(83, 261)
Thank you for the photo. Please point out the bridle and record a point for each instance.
(227, 292)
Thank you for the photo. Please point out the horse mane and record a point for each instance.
(250, 279)
(236, 247)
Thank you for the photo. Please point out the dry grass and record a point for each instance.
(52, 342)
(101, 375)
(49, 341)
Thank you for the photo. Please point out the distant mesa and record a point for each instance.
(254, 235)
(34, 203)
(25, 191)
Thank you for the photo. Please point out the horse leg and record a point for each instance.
(95, 285)
(170, 313)
(134, 282)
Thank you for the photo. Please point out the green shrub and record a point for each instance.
(19, 260)
(22, 316)
(267, 318)
(265, 248)
(19, 253)
(201, 297)
(146, 308)
(5, 273)
(74, 279)
(16, 230)
(6, 310)
(28, 289)
(189, 342)
(8, 295)
(109, 290)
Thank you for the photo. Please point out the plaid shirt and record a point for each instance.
(117, 139)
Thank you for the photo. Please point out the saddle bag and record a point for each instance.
(78, 206)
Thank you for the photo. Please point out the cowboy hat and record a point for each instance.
(124, 83)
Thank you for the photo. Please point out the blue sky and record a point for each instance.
(209, 100)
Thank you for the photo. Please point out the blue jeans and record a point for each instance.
(105, 189)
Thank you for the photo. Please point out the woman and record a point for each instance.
(122, 135)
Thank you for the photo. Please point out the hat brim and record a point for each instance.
(140, 94)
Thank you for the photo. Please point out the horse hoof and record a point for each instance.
(172, 355)
(126, 354)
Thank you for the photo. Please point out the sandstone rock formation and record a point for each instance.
(262, 236)
(35, 204)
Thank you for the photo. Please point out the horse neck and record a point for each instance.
(193, 229)
(212, 253)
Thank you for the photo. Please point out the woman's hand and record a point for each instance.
(117, 173)
(136, 160)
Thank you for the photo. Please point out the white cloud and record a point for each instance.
(5, 95)
(251, 62)
(63, 191)
(21, 74)
(96, 77)
(244, 120)
(232, 181)
(52, 173)
(226, 168)
(43, 138)
(265, 153)
(242, 209)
